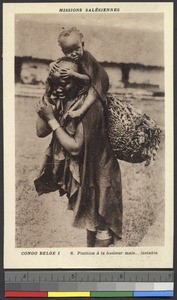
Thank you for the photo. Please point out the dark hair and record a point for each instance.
(55, 79)
(69, 59)
(67, 31)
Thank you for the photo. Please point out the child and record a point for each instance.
(91, 73)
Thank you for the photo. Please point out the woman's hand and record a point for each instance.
(66, 73)
(45, 109)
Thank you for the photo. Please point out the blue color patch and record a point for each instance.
(153, 294)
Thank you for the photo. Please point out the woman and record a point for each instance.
(81, 163)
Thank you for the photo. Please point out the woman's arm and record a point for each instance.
(48, 88)
(71, 144)
(42, 127)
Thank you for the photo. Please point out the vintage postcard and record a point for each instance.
(88, 135)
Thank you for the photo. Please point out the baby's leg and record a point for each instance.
(90, 99)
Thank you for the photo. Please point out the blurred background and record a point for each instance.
(131, 48)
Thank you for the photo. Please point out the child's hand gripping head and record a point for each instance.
(71, 42)
(66, 88)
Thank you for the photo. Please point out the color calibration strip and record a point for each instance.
(88, 284)
(96, 294)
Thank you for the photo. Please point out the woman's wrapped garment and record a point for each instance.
(92, 180)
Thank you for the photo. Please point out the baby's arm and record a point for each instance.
(65, 73)
(83, 78)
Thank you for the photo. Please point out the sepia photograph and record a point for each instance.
(90, 130)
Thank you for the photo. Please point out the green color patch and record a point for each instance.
(111, 294)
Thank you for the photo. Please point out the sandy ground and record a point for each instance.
(45, 221)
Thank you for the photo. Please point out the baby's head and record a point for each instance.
(71, 42)
(70, 86)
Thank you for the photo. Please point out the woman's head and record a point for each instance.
(71, 42)
(70, 85)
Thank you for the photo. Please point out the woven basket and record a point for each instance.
(134, 137)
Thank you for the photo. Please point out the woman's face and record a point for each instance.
(68, 86)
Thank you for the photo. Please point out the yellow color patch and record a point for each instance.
(68, 294)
